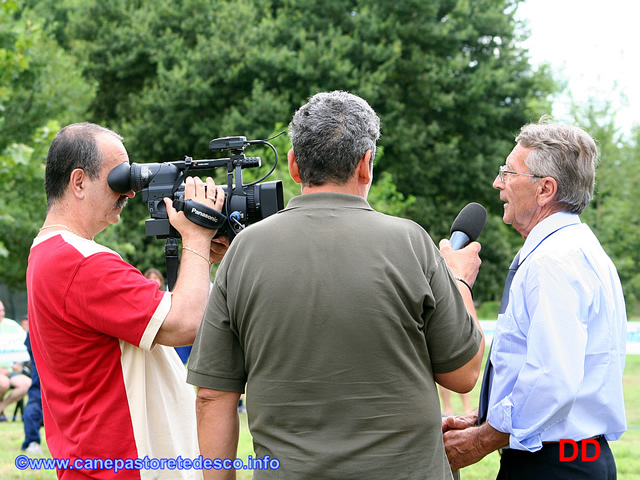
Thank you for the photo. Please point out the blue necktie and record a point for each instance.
(483, 406)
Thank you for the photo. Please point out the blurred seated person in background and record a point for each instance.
(12, 379)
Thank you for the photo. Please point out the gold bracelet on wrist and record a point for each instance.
(189, 249)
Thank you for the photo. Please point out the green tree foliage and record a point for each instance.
(39, 81)
(23, 208)
(383, 196)
(623, 229)
(447, 77)
(40, 88)
(613, 212)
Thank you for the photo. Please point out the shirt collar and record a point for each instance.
(328, 200)
(545, 228)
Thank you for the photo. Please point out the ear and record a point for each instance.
(365, 169)
(77, 183)
(293, 167)
(546, 191)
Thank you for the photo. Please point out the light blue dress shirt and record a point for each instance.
(559, 348)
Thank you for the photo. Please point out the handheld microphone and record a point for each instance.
(468, 225)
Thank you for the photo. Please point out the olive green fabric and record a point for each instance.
(336, 317)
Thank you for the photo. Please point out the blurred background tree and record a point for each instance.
(41, 88)
(448, 78)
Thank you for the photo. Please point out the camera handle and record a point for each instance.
(171, 255)
(199, 214)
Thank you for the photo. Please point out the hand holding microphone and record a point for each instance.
(462, 252)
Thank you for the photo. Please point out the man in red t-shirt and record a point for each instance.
(113, 387)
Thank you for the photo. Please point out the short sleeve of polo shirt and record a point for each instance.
(119, 303)
(451, 322)
(92, 288)
(217, 359)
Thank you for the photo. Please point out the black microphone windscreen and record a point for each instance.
(470, 221)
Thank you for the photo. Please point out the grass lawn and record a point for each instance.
(625, 450)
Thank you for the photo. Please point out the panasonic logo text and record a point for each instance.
(202, 214)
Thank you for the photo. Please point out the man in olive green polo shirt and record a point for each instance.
(338, 319)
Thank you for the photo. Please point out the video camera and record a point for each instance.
(244, 204)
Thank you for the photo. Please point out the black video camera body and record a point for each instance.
(244, 204)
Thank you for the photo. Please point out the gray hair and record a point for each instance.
(330, 134)
(75, 146)
(566, 153)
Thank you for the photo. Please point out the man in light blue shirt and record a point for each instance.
(554, 380)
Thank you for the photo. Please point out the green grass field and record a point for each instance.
(625, 450)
